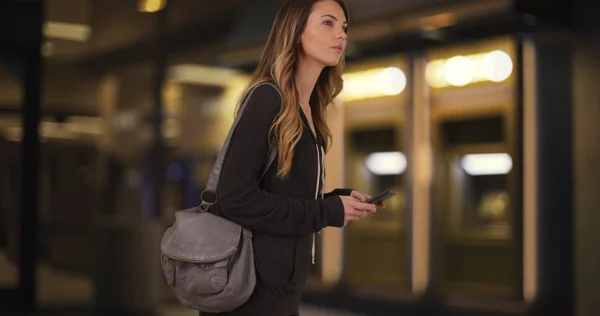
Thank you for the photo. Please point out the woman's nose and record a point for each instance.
(342, 34)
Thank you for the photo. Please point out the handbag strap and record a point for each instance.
(209, 195)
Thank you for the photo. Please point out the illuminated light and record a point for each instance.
(47, 49)
(202, 75)
(13, 134)
(434, 74)
(438, 21)
(125, 120)
(373, 83)
(497, 66)
(386, 163)
(151, 6)
(232, 94)
(392, 81)
(84, 125)
(74, 126)
(459, 71)
(171, 128)
(225, 111)
(67, 31)
(486, 164)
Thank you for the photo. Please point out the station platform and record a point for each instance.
(58, 288)
(305, 310)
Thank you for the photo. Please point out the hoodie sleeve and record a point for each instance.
(239, 197)
(338, 192)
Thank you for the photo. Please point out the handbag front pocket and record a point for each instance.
(201, 278)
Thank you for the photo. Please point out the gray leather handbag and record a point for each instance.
(207, 260)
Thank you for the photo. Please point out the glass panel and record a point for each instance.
(475, 202)
(375, 246)
(93, 177)
(480, 201)
(66, 229)
(10, 172)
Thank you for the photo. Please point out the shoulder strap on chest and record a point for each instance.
(209, 195)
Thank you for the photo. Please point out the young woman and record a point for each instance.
(303, 57)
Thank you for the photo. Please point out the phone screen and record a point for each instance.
(380, 197)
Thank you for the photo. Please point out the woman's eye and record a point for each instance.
(328, 23)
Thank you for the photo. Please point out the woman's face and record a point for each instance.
(324, 37)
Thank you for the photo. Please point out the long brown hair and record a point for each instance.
(278, 63)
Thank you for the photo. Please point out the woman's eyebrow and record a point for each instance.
(332, 16)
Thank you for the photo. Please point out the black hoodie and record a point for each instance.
(283, 213)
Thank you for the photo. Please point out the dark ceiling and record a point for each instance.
(118, 29)
(204, 30)
(230, 32)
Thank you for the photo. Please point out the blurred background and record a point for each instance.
(481, 114)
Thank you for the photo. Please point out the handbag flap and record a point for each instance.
(200, 237)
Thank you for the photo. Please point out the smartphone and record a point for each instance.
(380, 197)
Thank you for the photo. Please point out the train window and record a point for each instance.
(375, 246)
(475, 207)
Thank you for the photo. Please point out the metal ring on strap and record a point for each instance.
(209, 197)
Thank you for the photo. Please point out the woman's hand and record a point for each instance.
(354, 209)
(363, 197)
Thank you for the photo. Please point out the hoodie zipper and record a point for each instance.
(319, 176)
(319, 179)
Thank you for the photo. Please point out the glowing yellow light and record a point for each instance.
(497, 66)
(373, 83)
(434, 74)
(486, 164)
(386, 163)
(151, 6)
(459, 71)
(392, 81)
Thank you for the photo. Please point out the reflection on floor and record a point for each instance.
(53, 291)
(176, 311)
(51, 284)
(10, 275)
(304, 311)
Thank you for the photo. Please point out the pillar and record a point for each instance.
(586, 131)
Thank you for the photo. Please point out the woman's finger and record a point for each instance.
(356, 212)
(360, 195)
(366, 207)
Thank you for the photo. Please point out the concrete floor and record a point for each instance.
(55, 287)
(59, 288)
(304, 311)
